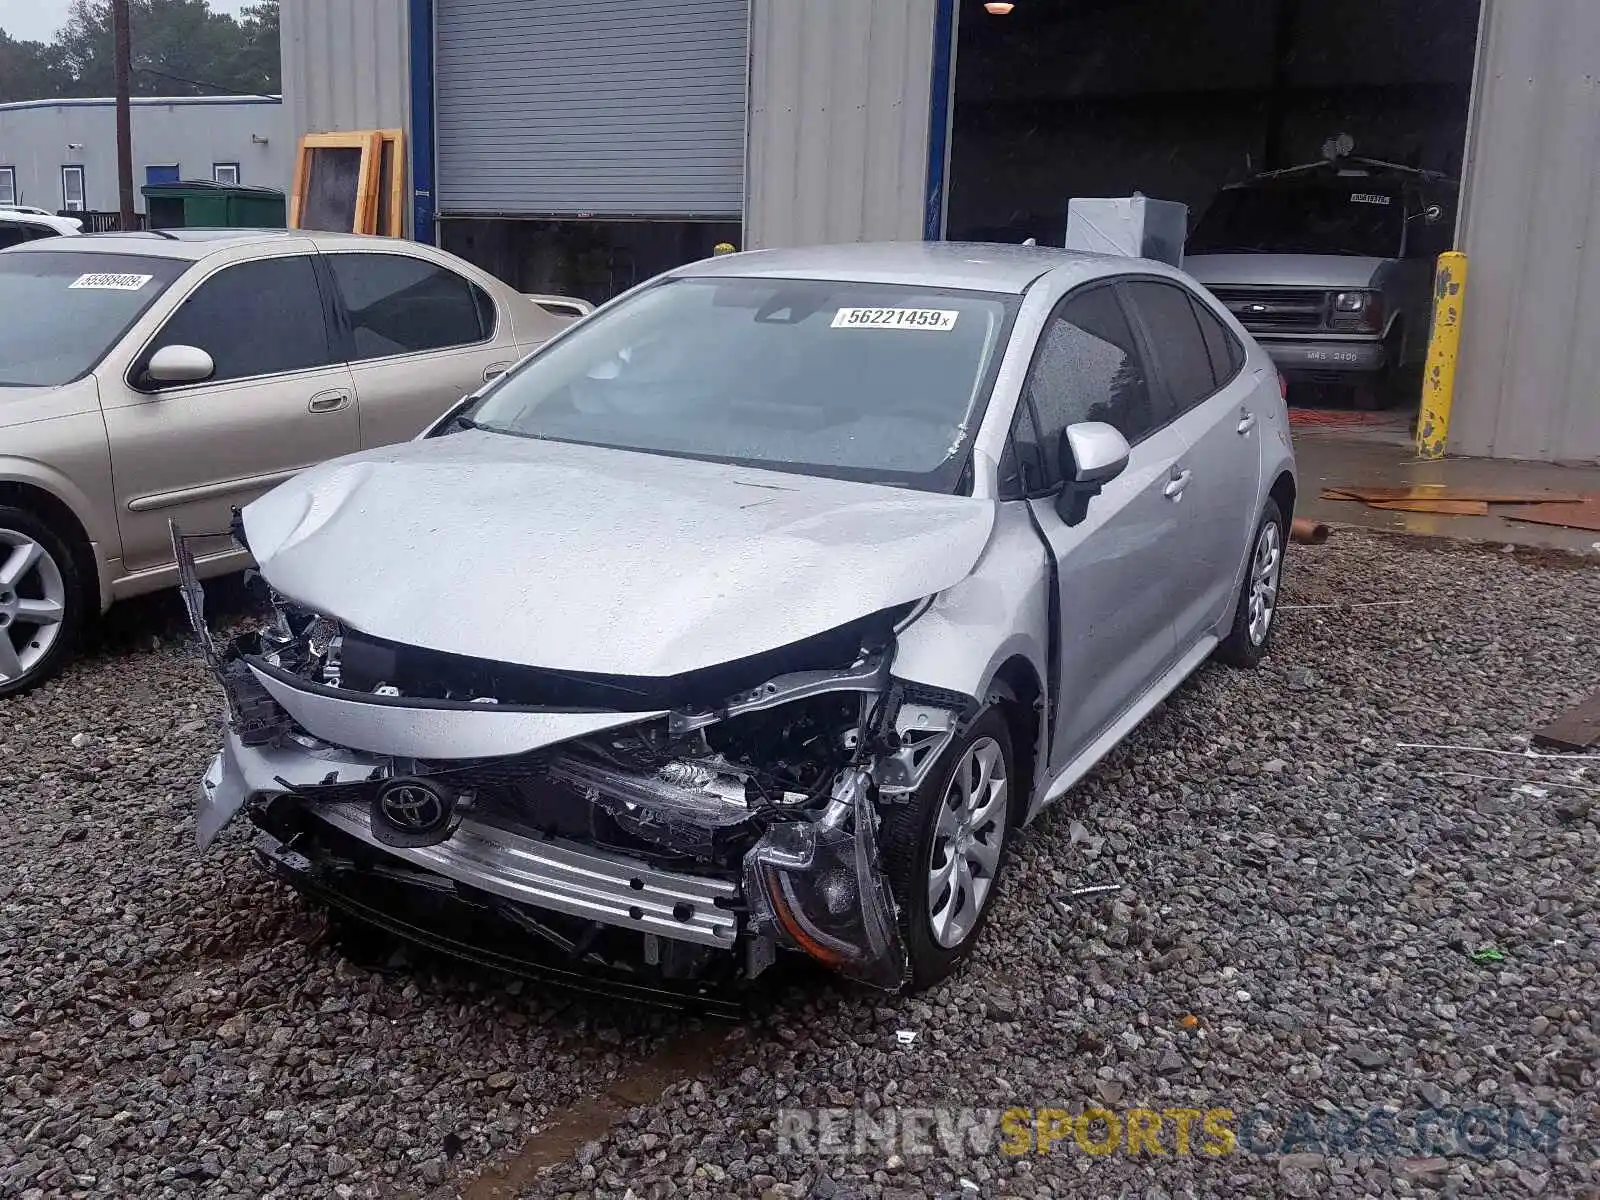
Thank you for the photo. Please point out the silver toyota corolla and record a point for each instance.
(755, 611)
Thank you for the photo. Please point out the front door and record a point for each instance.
(1219, 423)
(1114, 567)
(421, 337)
(277, 403)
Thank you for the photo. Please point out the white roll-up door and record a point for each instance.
(609, 108)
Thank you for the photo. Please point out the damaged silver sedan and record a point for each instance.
(754, 613)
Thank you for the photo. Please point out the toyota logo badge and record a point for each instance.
(414, 807)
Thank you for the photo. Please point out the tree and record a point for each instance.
(180, 48)
(29, 70)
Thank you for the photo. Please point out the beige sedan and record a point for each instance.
(153, 377)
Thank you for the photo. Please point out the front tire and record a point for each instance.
(41, 601)
(1256, 612)
(944, 848)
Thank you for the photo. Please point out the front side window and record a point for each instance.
(404, 305)
(254, 318)
(72, 189)
(1088, 369)
(880, 382)
(1176, 340)
(60, 312)
(8, 186)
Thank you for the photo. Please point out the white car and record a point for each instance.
(19, 225)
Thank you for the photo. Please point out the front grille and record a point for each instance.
(1274, 309)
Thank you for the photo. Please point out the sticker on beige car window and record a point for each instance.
(111, 283)
(935, 320)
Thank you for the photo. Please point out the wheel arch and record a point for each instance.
(1018, 690)
(1283, 494)
(62, 518)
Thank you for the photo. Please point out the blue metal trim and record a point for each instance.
(939, 119)
(422, 133)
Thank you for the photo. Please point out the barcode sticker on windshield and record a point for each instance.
(111, 283)
(1371, 198)
(937, 320)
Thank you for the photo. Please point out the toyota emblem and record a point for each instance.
(413, 806)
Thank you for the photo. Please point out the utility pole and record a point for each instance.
(123, 55)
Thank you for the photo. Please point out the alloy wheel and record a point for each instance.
(966, 844)
(33, 604)
(1266, 565)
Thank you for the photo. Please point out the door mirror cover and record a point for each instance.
(1093, 453)
(180, 364)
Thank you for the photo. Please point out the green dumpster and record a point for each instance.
(202, 204)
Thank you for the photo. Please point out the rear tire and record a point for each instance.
(1255, 614)
(41, 601)
(944, 848)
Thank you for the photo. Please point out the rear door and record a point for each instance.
(1115, 567)
(418, 335)
(1199, 365)
(277, 403)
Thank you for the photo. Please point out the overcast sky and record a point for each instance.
(38, 20)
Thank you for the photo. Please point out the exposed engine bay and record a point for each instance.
(661, 830)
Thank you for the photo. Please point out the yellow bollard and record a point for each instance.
(1444, 345)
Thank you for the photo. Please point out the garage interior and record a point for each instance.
(1179, 98)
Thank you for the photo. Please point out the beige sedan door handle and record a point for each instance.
(494, 371)
(327, 402)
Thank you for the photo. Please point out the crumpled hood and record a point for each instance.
(602, 561)
(1331, 271)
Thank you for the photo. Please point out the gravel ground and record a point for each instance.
(1299, 940)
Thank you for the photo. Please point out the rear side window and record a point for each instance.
(1088, 369)
(404, 305)
(1227, 356)
(1176, 339)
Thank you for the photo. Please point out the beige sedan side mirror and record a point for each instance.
(180, 364)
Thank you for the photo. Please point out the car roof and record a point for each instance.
(968, 266)
(195, 244)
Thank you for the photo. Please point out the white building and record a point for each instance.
(575, 146)
(61, 155)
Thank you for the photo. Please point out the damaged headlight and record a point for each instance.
(816, 886)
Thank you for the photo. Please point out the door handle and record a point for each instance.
(494, 371)
(1247, 420)
(1177, 483)
(327, 402)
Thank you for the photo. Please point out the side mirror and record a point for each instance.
(1092, 454)
(180, 364)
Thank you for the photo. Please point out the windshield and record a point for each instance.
(1348, 219)
(860, 381)
(61, 311)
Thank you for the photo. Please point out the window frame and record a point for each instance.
(1236, 350)
(9, 173)
(345, 325)
(233, 166)
(175, 168)
(134, 375)
(83, 188)
(1140, 347)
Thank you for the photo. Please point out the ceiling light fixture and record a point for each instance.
(998, 8)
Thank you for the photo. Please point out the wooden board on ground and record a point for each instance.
(1570, 516)
(1452, 508)
(1428, 492)
(1577, 729)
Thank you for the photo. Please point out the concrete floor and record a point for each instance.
(1376, 450)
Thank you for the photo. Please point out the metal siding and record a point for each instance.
(628, 108)
(345, 65)
(839, 120)
(1529, 385)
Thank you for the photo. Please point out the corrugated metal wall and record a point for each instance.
(839, 114)
(1529, 383)
(627, 108)
(346, 65)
